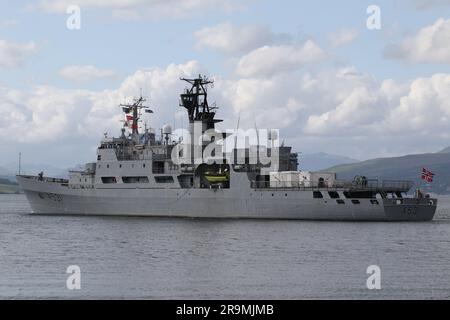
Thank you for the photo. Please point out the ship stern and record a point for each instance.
(410, 209)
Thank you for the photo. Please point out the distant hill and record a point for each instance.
(4, 172)
(6, 181)
(6, 175)
(7, 186)
(403, 168)
(31, 168)
(8, 189)
(446, 150)
(321, 160)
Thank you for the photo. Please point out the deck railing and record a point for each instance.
(368, 185)
(46, 179)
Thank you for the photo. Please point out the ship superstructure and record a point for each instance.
(205, 172)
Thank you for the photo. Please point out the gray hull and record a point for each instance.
(244, 202)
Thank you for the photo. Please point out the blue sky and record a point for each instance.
(356, 78)
(110, 43)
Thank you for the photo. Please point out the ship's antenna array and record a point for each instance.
(195, 99)
(20, 163)
(133, 113)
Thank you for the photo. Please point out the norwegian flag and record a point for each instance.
(427, 175)
(129, 118)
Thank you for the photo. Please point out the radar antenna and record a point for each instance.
(133, 113)
(195, 100)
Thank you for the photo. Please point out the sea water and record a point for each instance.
(171, 258)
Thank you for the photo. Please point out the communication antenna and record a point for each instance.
(20, 163)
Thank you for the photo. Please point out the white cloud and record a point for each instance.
(47, 113)
(85, 73)
(269, 60)
(343, 37)
(341, 111)
(135, 9)
(430, 45)
(13, 54)
(229, 38)
(428, 4)
(345, 111)
(421, 107)
(425, 109)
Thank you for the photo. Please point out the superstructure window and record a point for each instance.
(374, 202)
(317, 195)
(356, 201)
(158, 167)
(109, 180)
(333, 194)
(340, 201)
(135, 179)
(164, 179)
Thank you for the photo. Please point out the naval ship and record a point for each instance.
(142, 173)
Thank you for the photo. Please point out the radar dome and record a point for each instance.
(167, 129)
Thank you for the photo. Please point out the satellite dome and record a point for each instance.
(167, 129)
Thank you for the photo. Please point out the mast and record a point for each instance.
(135, 110)
(195, 100)
(20, 163)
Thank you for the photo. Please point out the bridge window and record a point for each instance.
(164, 179)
